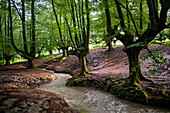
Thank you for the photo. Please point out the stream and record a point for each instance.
(90, 100)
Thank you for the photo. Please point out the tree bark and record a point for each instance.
(58, 25)
(51, 52)
(31, 63)
(82, 60)
(23, 27)
(33, 48)
(141, 14)
(7, 59)
(64, 52)
(109, 44)
(135, 72)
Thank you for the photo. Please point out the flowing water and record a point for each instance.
(89, 100)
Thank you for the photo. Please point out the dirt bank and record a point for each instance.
(17, 95)
(24, 100)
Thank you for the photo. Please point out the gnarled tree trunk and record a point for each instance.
(135, 72)
(82, 60)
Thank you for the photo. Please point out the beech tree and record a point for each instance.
(6, 48)
(78, 29)
(134, 43)
(61, 41)
(111, 31)
(27, 53)
(82, 34)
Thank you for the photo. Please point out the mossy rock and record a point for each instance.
(87, 83)
(70, 82)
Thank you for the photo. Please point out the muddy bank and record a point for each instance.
(24, 100)
(17, 93)
(23, 77)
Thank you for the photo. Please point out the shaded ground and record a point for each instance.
(107, 67)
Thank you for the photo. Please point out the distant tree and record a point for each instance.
(77, 30)
(61, 41)
(27, 53)
(111, 31)
(6, 48)
(82, 34)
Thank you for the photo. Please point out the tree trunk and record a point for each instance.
(109, 46)
(64, 52)
(82, 60)
(31, 63)
(51, 52)
(7, 61)
(135, 73)
(67, 51)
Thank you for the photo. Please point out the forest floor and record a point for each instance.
(16, 81)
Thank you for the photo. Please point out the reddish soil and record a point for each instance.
(24, 100)
(17, 95)
(115, 64)
(102, 64)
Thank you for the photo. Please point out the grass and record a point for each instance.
(22, 60)
(11, 62)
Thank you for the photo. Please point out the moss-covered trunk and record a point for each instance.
(135, 72)
(82, 60)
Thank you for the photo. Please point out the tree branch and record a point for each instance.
(88, 24)
(165, 4)
(154, 58)
(19, 13)
(57, 21)
(122, 23)
(137, 33)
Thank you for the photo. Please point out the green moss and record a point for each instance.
(77, 80)
(144, 94)
(163, 92)
(131, 88)
(62, 59)
(87, 83)
(70, 83)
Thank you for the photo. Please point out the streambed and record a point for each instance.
(92, 100)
